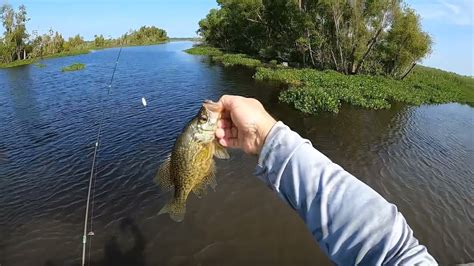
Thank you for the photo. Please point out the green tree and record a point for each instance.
(357, 36)
(99, 41)
(57, 43)
(210, 28)
(15, 36)
(8, 41)
(406, 44)
(20, 33)
(74, 43)
(237, 26)
(145, 35)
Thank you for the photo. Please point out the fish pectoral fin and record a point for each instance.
(220, 152)
(176, 210)
(210, 178)
(163, 176)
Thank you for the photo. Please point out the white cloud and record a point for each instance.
(457, 12)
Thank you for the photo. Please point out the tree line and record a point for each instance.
(17, 44)
(349, 36)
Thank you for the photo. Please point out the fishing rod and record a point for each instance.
(93, 167)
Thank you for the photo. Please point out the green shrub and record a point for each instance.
(73, 67)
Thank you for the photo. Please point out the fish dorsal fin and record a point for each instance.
(220, 152)
(163, 176)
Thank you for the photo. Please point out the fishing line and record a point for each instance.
(92, 178)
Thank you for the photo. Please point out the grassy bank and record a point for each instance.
(34, 60)
(70, 53)
(18, 63)
(312, 91)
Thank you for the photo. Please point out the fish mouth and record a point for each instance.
(212, 106)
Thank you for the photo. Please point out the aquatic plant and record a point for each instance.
(73, 67)
(311, 91)
(203, 50)
(463, 86)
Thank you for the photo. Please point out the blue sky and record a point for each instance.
(450, 22)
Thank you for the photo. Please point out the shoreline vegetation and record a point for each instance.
(19, 47)
(35, 60)
(364, 53)
(86, 51)
(91, 48)
(311, 91)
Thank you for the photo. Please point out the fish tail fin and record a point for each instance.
(175, 209)
(163, 176)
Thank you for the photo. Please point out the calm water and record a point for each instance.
(420, 158)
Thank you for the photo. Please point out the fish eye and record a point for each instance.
(202, 119)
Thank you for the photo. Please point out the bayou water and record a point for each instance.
(420, 158)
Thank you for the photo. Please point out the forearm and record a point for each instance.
(351, 222)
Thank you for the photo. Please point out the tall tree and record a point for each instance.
(405, 44)
(15, 36)
(8, 40)
(356, 36)
(20, 33)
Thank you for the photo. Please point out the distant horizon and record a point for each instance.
(449, 22)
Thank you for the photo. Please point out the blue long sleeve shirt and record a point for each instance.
(352, 223)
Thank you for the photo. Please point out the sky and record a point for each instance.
(450, 22)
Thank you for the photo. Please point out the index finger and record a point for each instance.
(224, 123)
(228, 101)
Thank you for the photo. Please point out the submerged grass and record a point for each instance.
(312, 91)
(73, 67)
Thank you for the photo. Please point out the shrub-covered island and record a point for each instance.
(365, 53)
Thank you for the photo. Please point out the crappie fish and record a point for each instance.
(190, 167)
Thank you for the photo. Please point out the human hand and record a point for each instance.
(244, 124)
